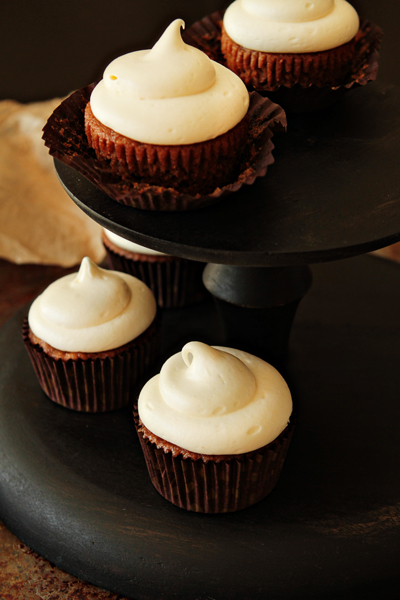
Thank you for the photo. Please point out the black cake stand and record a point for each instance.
(332, 193)
(74, 487)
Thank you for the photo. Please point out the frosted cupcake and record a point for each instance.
(174, 281)
(272, 43)
(214, 428)
(92, 337)
(169, 117)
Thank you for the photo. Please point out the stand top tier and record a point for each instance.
(333, 192)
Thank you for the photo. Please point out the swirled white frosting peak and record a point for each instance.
(291, 25)
(145, 74)
(92, 311)
(215, 400)
(171, 94)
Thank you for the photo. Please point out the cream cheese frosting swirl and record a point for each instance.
(172, 94)
(92, 311)
(216, 400)
(130, 246)
(291, 25)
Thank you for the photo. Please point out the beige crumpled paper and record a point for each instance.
(39, 223)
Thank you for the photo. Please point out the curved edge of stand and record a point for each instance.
(128, 223)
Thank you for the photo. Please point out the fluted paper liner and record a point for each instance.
(215, 486)
(269, 70)
(206, 35)
(175, 282)
(64, 135)
(95, 384)
(195, 168)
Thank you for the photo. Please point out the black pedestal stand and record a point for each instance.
(257, 305)
(325, 198)
(74, 487)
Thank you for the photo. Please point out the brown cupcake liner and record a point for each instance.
(191, 168)
(64, 135)
(267, 71)
(211, 485)
(95, 384)
(175, 282)
(278, 79)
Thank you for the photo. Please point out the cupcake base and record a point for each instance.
(213, 484)
(192, 168)
(295, 97)
(175, 282)
(89, 382)
(267, 70)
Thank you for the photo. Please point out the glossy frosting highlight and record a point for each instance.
(92, 311)
(172, 94)
(214, 400)
(130, 246)
(291, 25)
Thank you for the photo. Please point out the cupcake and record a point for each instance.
(174, 281)
(92, 337)
(214, 428)
(166, 129)
(271, 43)
(169, 117)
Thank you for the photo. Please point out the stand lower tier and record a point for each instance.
(75, 488)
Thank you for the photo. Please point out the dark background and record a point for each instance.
(49, 48)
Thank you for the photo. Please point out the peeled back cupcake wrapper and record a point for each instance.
(173, 281)
(216, 487)
(206, 35)
(64, 135)
(94, 385)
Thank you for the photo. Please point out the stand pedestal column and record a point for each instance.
(257, 305)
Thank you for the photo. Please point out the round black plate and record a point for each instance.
(74, 487)
(333, 192)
